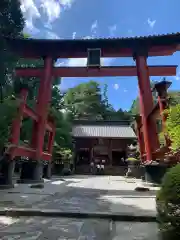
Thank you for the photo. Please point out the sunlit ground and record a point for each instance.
(124, 192)
(7, 220)
(145, 203)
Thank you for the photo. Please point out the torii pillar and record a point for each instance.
(151, 140)
(32, 171)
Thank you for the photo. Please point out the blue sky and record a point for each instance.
(55, 19)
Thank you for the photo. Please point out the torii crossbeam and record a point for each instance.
(114, 71)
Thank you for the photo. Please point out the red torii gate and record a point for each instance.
(138, 48)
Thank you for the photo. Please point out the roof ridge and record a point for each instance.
(104, 131)
(100, 38)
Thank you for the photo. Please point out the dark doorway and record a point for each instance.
(83, 158)
(118, 158)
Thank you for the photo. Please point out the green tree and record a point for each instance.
(168, 205)
(8, 112)
(62, 118)
(173, 126)
(85, 101)
(11, 25)
(174, 97)
(134, 109)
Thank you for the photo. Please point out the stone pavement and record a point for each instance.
(80, 194)
(103, 194)
(74, 229)
(24, 196)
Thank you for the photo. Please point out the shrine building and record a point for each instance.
(108, 140)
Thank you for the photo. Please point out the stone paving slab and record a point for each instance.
(74, 229)
(23, 195)
(88, 200)
(84, 194)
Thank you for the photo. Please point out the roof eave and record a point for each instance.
(108, 137)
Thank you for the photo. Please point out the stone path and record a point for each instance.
(75, 229)
(24, 196)
(103, 194)
(80, 194)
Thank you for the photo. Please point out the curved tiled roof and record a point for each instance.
(47, 46)
(103, 131)
(173, 36)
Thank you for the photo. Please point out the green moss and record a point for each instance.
(132, 159)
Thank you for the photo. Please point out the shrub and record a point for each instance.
(168, 205)
(173, 126)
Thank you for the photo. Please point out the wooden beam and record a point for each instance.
(27, 152)
(96, 72)
(28, 112)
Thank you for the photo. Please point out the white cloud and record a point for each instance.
(48, 25)
(94, 27)
(88, 37)
(82, 62)
(58, 63)
(177, 77)
(66, 3)
(77, 62)
(51, 35)
(74, 35)
(52, 8)
(151, 23)
(116, 86)
(30, 12)
(112, 29)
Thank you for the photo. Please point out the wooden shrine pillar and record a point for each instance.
(140, 136)
(51, 136)
(161, 89)
(91, 153)
(48, 167)
(146, 105)
(110, 152)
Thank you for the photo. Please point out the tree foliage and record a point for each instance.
(8, 112)
(87, 101)
(173, 126)
(168, 205)
(11, 25)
